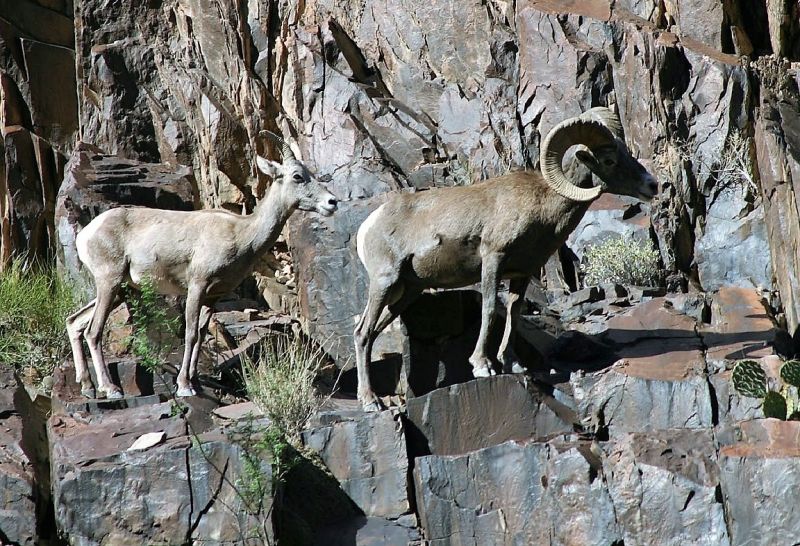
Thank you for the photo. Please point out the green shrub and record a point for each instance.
(34, 305)
(281, 382)
(623, 261)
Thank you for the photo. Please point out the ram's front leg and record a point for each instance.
(506, 354)
(481, 364)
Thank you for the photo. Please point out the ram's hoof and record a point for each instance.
(518, 368)
(185, 391)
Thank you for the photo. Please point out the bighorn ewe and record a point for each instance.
(503, 228)
(201, 254)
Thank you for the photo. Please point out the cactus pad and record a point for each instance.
(790, 373)
(775, 405)
(749, 379)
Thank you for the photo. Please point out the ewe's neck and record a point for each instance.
(268, 219)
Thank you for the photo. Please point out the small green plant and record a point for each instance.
(749, 379)
(623, 261)
(34, 304)
(281, 382)
(153, 329)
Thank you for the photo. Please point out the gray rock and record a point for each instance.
(482, 413)
(367, 455)
(515, 493)
(664, 485)
(21, 500)
(759, 475)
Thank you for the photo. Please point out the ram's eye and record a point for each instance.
(609, 162)
(298, 177)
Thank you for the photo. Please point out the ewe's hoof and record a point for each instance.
(484, 371)
(185, 391)
(89, 393)
(112, 394)
(374, 405)
(518, 368)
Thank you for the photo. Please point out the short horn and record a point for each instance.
(286, 150)
(589, 132)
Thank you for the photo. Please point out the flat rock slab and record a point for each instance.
(740, 326)
(177, 491)
(367, 455)
(760, 475)
(514, 493)
(480, 413)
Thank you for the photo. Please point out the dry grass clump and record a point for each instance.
(280, 381)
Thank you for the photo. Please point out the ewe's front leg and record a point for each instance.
(192, 316)
(506, 354)
(481, 365)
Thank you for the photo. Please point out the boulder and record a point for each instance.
(105, 493)
(367, 455)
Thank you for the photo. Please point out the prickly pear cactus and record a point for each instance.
(775, 405)
(749, 379)
(790, 372)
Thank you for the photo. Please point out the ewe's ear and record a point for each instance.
(587, 158)
(270, 168)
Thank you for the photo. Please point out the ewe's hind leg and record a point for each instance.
(202, 329)
(382, 292)
(76, 326)
(193, 305)
(105, 302)
(506, 354)
(481, 365)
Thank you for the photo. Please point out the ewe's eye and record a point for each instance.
(298, 177)
(609, 162)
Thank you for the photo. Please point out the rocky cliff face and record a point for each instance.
(164, 103)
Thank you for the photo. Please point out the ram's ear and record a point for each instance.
(270, 168)
(587, 158)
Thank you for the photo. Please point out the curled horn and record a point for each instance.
(584, 129)
(286, 150)
(607, 117)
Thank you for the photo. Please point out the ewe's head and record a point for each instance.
(299, 187)
(604, 153)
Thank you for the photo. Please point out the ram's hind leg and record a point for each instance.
(506, 354)
(481, 365)
(76, 328)
(383, 290)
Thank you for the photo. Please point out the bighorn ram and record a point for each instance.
(201, 254)
(503, 228)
